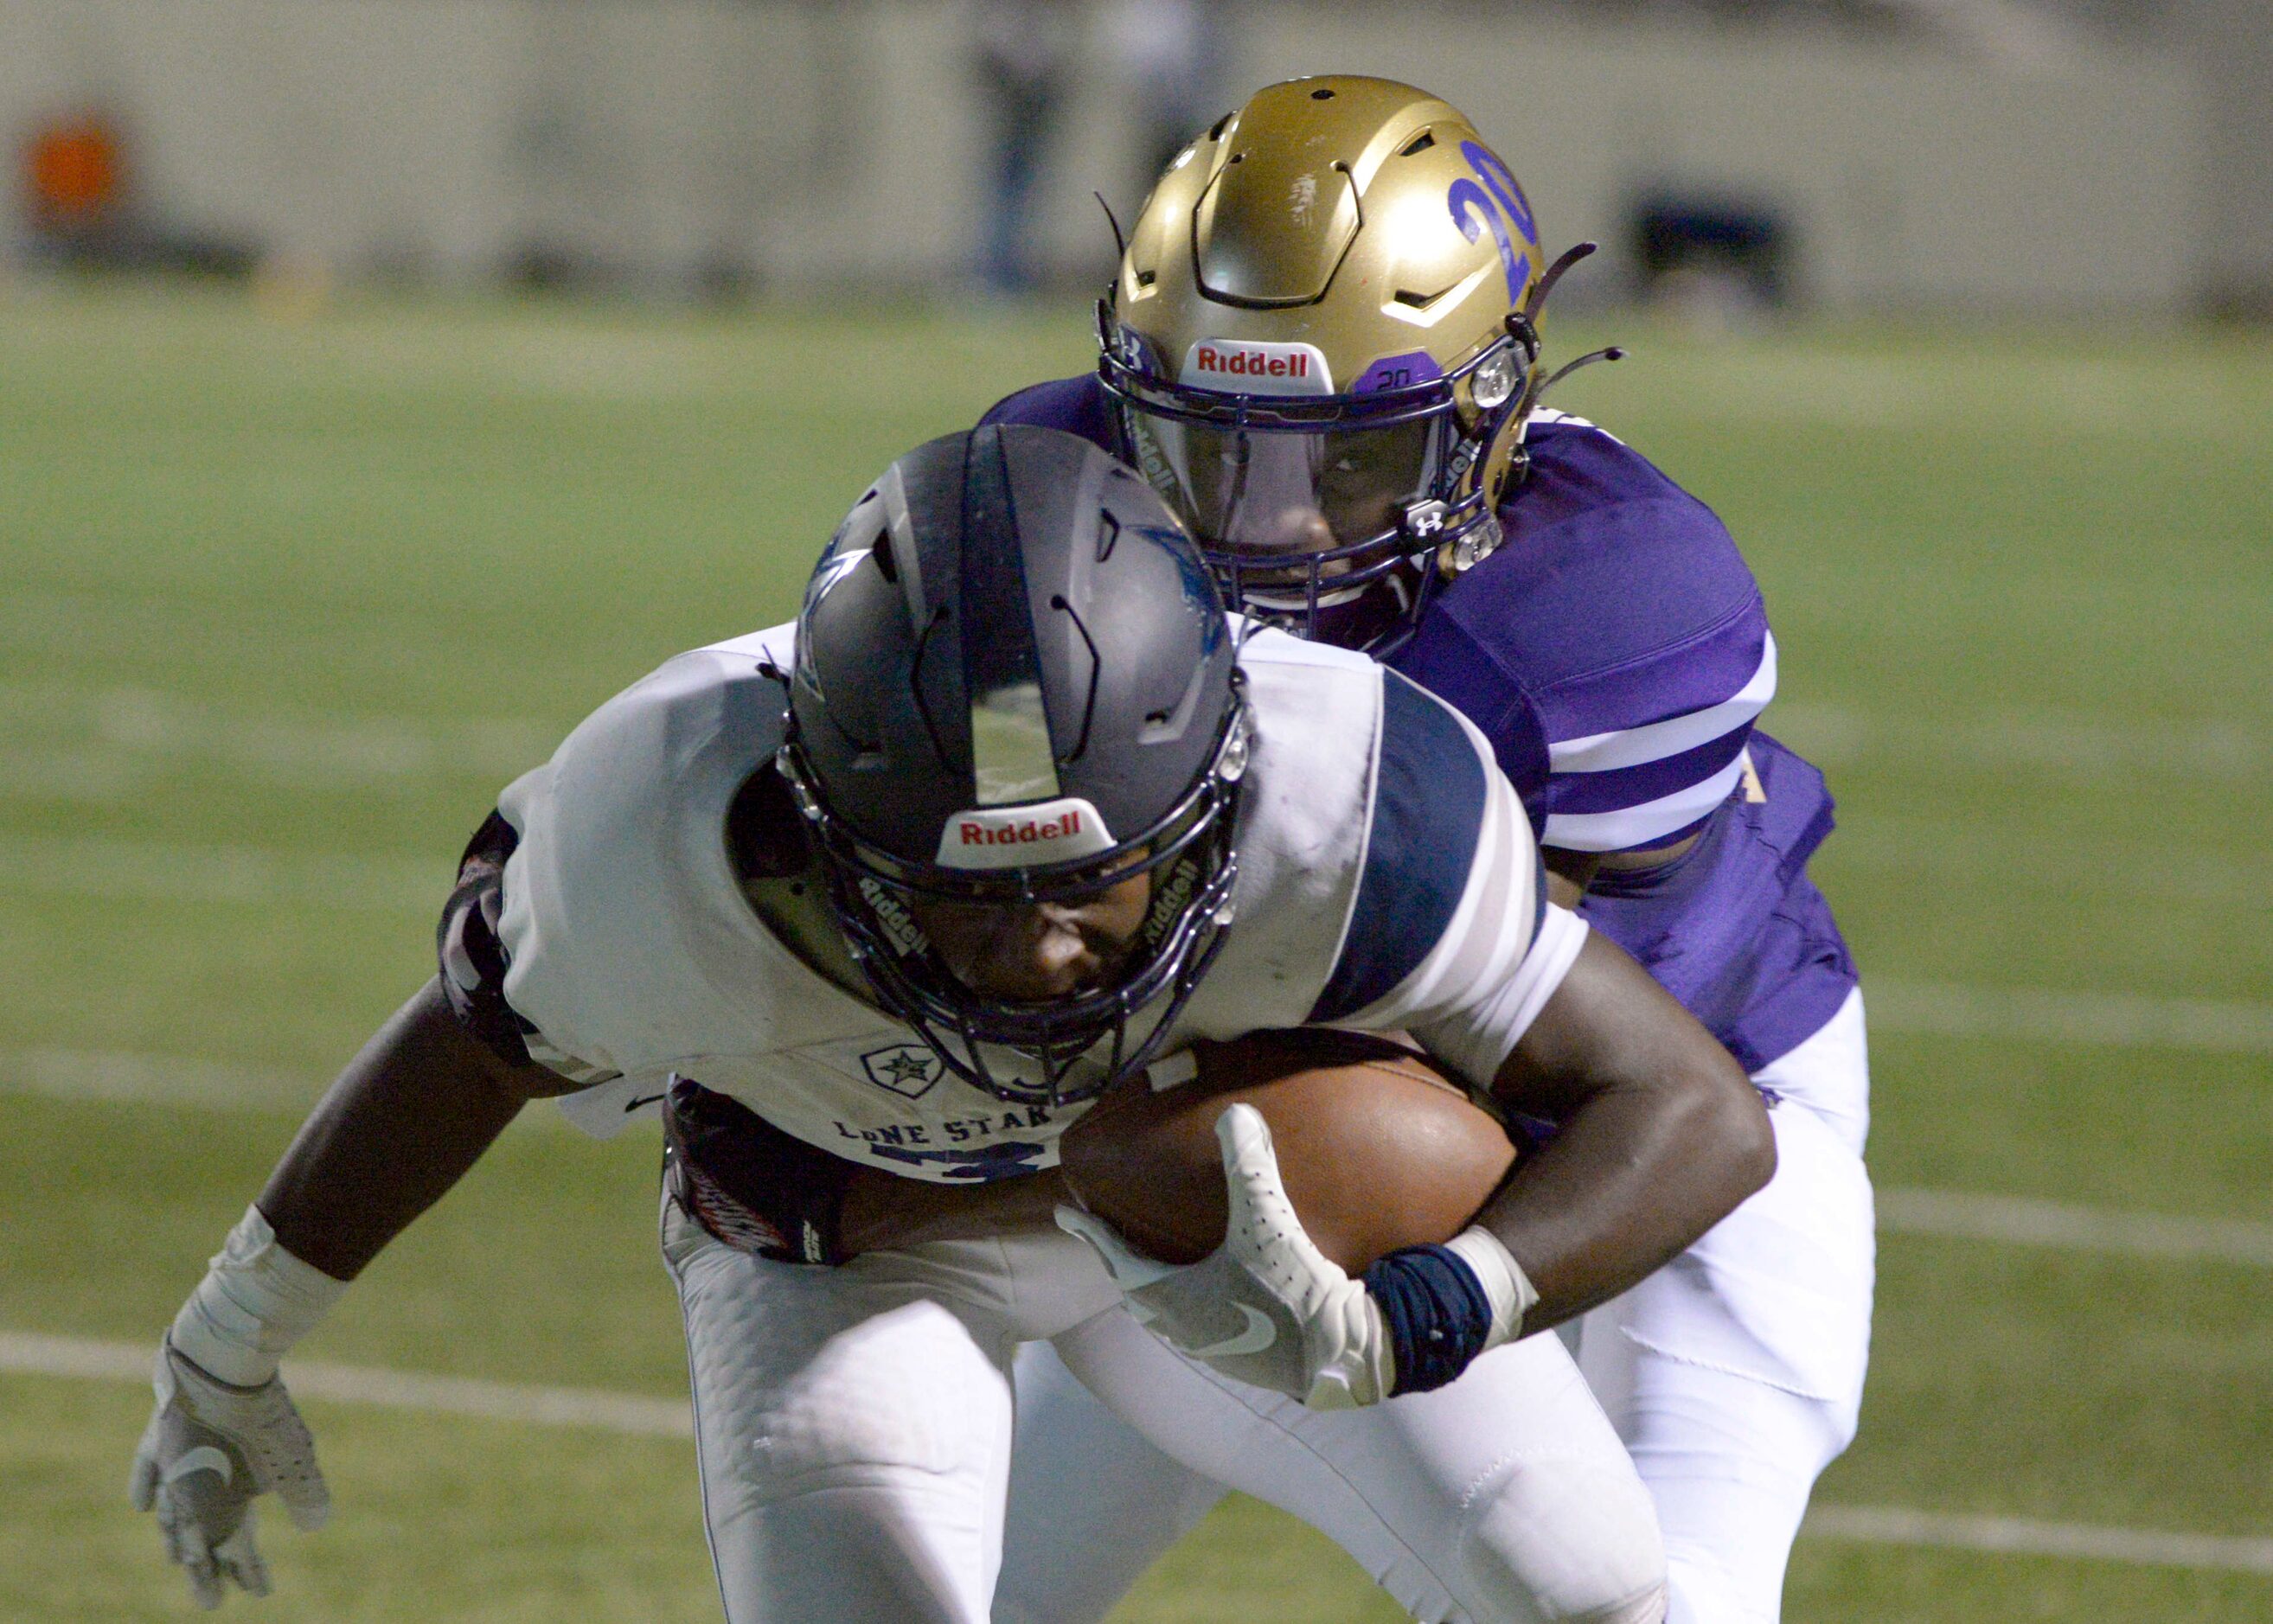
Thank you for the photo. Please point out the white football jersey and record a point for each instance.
(1387, 879)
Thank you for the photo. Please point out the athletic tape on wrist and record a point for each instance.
(1503, 1279)
(256, 1300)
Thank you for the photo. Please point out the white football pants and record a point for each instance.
(854, 1428)
(1734, 1375)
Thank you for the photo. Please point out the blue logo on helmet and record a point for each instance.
(1494, 204)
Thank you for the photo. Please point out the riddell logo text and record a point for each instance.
(1250, 363)
(1032, 832)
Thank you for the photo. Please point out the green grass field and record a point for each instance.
(283, 604)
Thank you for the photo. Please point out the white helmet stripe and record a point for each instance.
(1010, 755)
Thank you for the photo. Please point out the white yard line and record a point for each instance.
(29, 1353)
(2006, 860)
(156, 871)
(2026, 1536)
(103, 730)
(2064, 741)
(1957, 1215)
(149, 871)
(639, 1416)
(99, 737)
(2008, 1220)
(2113, 1020)
(154, 1079)
(178, 1081)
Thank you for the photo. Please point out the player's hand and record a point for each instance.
(1266, 1307)
(209, 1449)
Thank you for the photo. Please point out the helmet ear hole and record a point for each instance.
(886, 566)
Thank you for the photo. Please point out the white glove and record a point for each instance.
(209, 1448)
(1266, 1307)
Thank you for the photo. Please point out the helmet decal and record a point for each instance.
(1495, 176)
(1414, 366)
(989, 837)
(1242, 366)
(1473, 210)
(1497, 203)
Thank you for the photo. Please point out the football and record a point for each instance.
(1377, 1148)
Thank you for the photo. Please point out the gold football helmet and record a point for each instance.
(1320, 348)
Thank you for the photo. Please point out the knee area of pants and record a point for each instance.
(1648, 1607)
(832, 1424)
(1840, 1423)
(1705, 1591)
(1565, 1540)
(797, 1448)
(1715, 1422)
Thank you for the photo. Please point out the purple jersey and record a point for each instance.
(1616, 651)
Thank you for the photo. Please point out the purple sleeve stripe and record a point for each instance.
(1668, 682)
(1605, 752)
(1648, 784)
(1655, 823)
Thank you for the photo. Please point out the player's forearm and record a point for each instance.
(1569, 873)
(1661, 1136)
(406, 1119)
(404, 1122)
(1631, 1182)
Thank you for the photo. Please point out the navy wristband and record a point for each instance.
(1438, 1314)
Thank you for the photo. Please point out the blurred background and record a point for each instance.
(1845, 154)
(383, 382)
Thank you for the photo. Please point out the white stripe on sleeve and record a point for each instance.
(1632, 826)
(1604, 752)
(1490, 929)
(1487, 978)
(1494, 920)
(1476, 1040)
